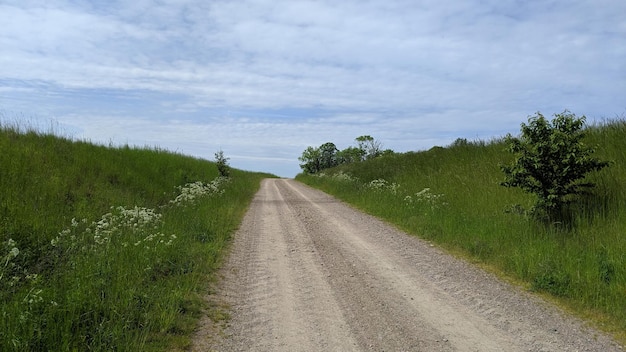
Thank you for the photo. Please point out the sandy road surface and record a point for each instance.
(308, 273)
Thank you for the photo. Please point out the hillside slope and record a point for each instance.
(108, 248)
(452, 196)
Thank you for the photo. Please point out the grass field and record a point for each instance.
(452, 196)
(107, 248)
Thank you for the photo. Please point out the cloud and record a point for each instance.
(266, 78)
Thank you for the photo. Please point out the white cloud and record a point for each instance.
(270, 77)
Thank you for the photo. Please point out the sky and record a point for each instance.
(262, 80)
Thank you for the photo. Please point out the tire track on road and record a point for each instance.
(308, 273)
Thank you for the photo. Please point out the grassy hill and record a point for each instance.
(108, 248)
(452, 196)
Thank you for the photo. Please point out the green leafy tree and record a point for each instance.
(387, 152)
(222, 164)
(317, 159)
(311, 160)
(350, 155)
(551, 161)
(371, 148)
(328, 155)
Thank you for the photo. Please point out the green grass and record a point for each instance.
(582, 265)
(94, 253)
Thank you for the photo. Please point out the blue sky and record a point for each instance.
(263, 79)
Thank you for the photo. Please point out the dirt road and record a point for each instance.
(308, 273)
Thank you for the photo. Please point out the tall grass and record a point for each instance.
(108, 248)
(452, 196)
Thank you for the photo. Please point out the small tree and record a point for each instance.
(320, 158)
(328, 155)
(350, 155)
(311, 160)
(222, 164)
(371, 148)
(551, 161)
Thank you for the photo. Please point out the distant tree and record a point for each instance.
(371, 147)
(551, 161)
(311, 160)
(460, 142)
(222, 164)
(350, 155)
(328, 155)
(387, 152)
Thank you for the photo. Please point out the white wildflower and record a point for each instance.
(190, 192)
(382, 185)
(425, 196)
(14, 252)
(344, 177)
(378, 184)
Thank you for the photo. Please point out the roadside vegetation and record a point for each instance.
(327, 155)
(454, 196)
(106, 248)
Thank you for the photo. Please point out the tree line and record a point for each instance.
(327, 155)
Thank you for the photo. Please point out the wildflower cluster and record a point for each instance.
(426, 197)
(132, 223)
(136, 226)
(190, 192)
(344, 177)
(339, 176)
(423, 198)
(14, 273)
(382, 185)
(154, 240)
(129, 221)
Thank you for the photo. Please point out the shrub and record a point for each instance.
(222, 164)
(551, 161)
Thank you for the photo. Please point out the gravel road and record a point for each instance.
(308, 273)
